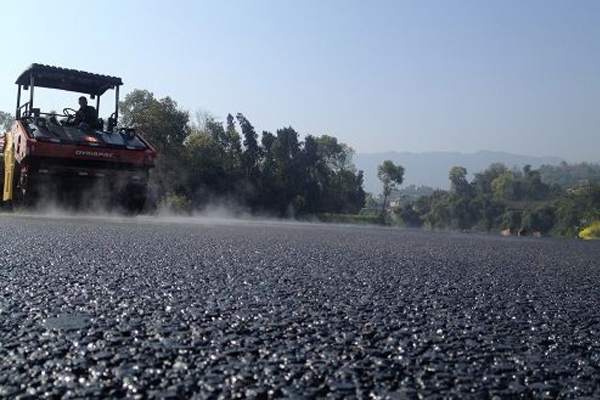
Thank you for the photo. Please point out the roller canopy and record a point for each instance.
(68, 79)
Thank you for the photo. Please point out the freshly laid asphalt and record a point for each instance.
(108, 307)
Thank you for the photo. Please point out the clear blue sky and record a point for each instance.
(507, 75)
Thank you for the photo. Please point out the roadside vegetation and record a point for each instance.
(517, 202)
(203, 161)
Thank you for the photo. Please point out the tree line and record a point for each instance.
(205, 161)
(503, 199)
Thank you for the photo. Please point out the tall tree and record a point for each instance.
(160, 121)
(251, 153)
(459, 184)
(482, 182)
(312, 184)
(390, 175)
(207, 176)
(166, 127)
(337, 155)
(286, 149)
(233, 144)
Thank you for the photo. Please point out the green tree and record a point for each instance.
(269, 185)
(460, 201)
(207, 177)
(540, 219)
(289, 175)
(511, 219)
(532, 187)
(570, 175)
(503, 186)
(160, 121)
(437, 212)
(313, 174)
(390, 175)
(341, 183)
(166, 127)
(459, 184)
(251, 155)
(576, 209)
(336, 155)
(232, 146)
(482, 182)
(408, 216)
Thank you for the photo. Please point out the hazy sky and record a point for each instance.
(507, 75)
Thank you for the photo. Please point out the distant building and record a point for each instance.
(578, 189)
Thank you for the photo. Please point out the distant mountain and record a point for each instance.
(431, 169)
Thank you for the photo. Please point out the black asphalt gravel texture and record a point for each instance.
(144, 308)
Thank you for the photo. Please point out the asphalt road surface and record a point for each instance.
(93, 307)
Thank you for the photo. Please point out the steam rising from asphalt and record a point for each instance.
(93, 203)
(216, 213)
